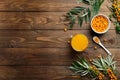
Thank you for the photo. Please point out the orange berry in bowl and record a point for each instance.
(100, 24)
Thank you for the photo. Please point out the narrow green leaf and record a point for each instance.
(114, 67)
(96, 62)
(84, 14)
(80, 21)
(85, 1)
(86, 18)
(79, 71)
(72, 22)
(74, 64)
(85, 64)
(89, 14)
(101, 69)
(73, 68)
(112, 63)
(81, 64)
(118, 29)
(85, 73)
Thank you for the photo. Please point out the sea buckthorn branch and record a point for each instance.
(97, 68)
(79, 14)
(83, 14)
(111, 74)
(115, 14)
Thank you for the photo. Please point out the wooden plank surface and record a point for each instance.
(38, 20)
(42, 5)
(49, 56)
(49, 38)
(38, 73)
(34, 46)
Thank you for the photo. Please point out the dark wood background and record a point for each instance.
(33, 44)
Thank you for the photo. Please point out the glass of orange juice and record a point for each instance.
(79, 42)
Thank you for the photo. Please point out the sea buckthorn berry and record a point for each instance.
(65, 29)
(100, 23)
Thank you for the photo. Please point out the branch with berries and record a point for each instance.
(115, 14)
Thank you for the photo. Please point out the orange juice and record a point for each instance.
(79, 42)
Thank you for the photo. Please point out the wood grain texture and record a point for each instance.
(42, 5)
(49, 56)
(38, 73)
(38, 20)
(50, 38)
(34, 46)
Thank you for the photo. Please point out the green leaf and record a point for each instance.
(75, 65)
(114, 67)
(101, 69)
(96, 62)
(80, 21)
(118, 29)
(112, 63)
(96, 6)
(84, 13)
(81, 67)
(73, 68)
(72, 21)
(84, 73)
(76, 10)
(97, 65)
(81, 64)
(89, 14)
(104, 63)
(85, 1)
(86, 18)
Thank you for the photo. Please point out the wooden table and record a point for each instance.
(33, 44)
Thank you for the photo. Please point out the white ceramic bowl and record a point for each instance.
(108, 27)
